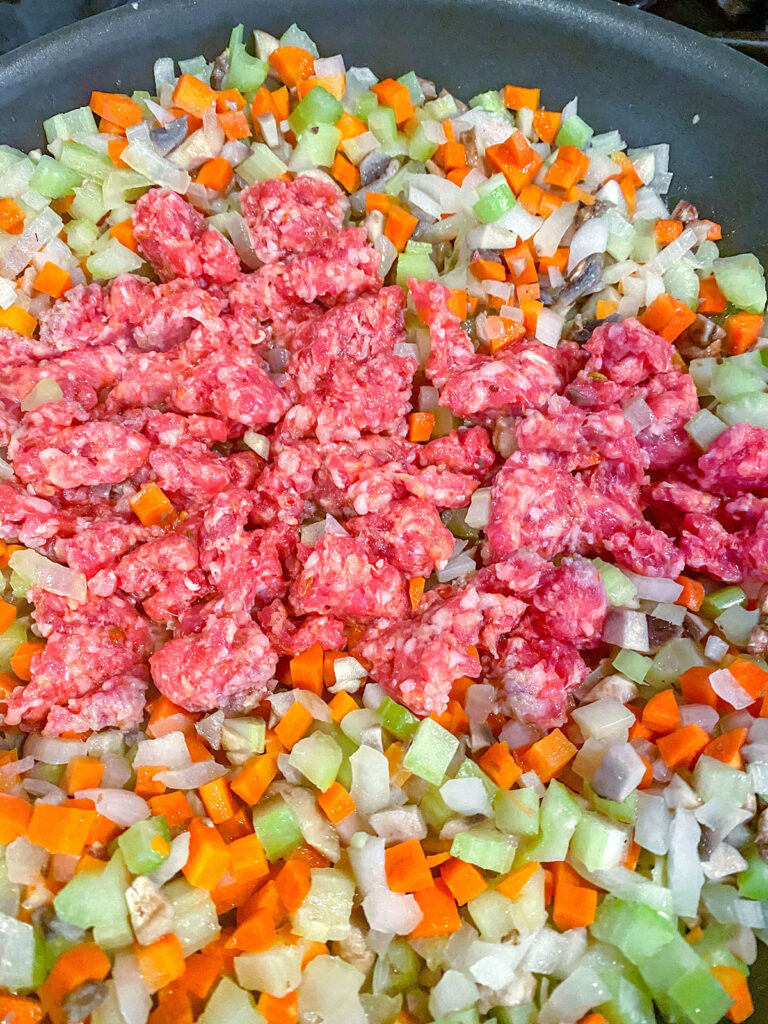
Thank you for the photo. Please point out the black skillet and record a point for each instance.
(655, 81)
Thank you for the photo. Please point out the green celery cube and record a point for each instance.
(469, 770)
(431, 751)
(753, 881)
(632, 665)
(485, 848)
(517, 811)
(637, 930)
(700, 996)
(574, 132)
(434, 809)
(145, 845)
(397, 719)
(277, 829)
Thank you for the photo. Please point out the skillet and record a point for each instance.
(654, 81)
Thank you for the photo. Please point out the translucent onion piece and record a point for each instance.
(46, 390)
(48, 575)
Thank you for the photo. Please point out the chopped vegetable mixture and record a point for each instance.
(384, 518)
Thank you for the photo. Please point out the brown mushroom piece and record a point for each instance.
(585, 277)
(703, 338)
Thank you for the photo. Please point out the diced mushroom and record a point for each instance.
(150, 912)
(762, 835)
(613, 687)
(702, 338)
(83, 1000)
(428, 88)
(355, 949)
(220, 70)
(468, 139)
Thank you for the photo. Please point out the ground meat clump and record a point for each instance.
(271, 406)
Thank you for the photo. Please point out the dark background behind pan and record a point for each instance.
(630, 70)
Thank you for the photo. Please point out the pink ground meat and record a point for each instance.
(160, 382)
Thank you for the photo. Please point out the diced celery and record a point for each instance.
(381, 122)
(10, 639)
(246, 73)
(243, 735)
(81, 236)
(96, 899)
(682, 282)
(633, 665)
(262, 165)
(598, 844)
(621, 591)
(122, 186)
(86, 162)
(701, 372)
(431, 751)
(442, 107)
(494, 201)
(729, 381)
(195, 920)
(198, 67)
(419, 146)
(737, 623)
(230, 1003)
(491, 100)
(468, 1016)
(89, 202)
(751, 408)
(64, 126)
(317, 107)
(397, 719)
(52, 179)
(753, 880)
(524, 1013)
(394, 186)
(718, 601)
(277, 829)
(367, 102)
(517, 811)
(397, 970)
(637, 930)
(700, 995)
(673, 659)
(17, 949)
(434, 809)
(295, 36)
(486, 848)
(644, 246)
(318, 758)
(560, 814)
(703, 427)
(741, 279)
(415, 91)
(574, 132)
(325, 913)
(455, 519)
(493, 914)
(416, 265)
(626, 811)
(316, 147)
(113, 260)
(712, 779)
(469, 770)
(141, 96)
(146, 845)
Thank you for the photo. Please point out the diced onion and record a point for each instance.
(169, 751)
(674, 252)
(655, 588)
(48, 575)
(118, 805)
(394, 913)
(590, 239)
(627, 629)
(728, 688)
(638, 414)
(466, 796)
(479, 511)
(550, 234)
(46, 390)
(549, 327)
(715, 648)
(192, 776)
(133, 996)
(257, 443)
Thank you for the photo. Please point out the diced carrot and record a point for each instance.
(715, 232)
(254, 777)
(16, 318)
(569, 168)
(711, 299)
(216, 174)
(116, 148)
(527, 292)
(12, 217)
(464, 880)
(85, 962)
(161, 962)
(742, 330)
(420, 426)
(293, 883)
(735, 984)
(15, 815)
(83, 773)
(7, 614)
(487, 270)
(282, 1010)
(208, 856)
(516, 97)
(152, 506)
(696, 687)
(292, 64)
(193, 96)
(531, 309)
(341, 704)
(123, 232)
(593, 1018)
(546, 124)
(750, 676)
(235, 125)
(440, 915)
(146, 783)
(116, 108)
(350, 126)
(309, 855)
(502, 332)
(395, 95)
(21, 1010)
(335, 803)
(345, 172)
(174, 807)
(573, 195)
(256, 933)
(453, 719)
(632, 857)
(21, 659)
(727, 747)
(452, 155)
(516, 881)
(203, 969)
(217, 798)
(661, 714)
(406, 867)
(239, 826)
(558, 261)
(307, 669)
(400, 226)
(668, 317)
(692, 596)
(52, 280)
(549, 755)
(379, 201)
(681, 748)
(416, 590)
(293, 725)
(110, 128)
(173, 1006)
(667, 231)
(498, 763)
(575, 901)
(606, 308)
